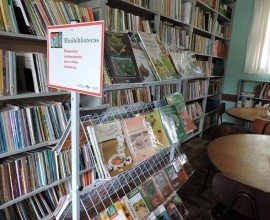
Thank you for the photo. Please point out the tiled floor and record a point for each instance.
(198, 199)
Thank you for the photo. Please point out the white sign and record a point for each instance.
(75, 57)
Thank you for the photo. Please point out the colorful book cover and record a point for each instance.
(164, 68)
(154, 120)
(182, 175)
(112, 145)
(186, 164)
(129, 212)
(173, 211)
(139, 138)
(178, 100)
(163, 184)
(173, 176)
(142, 60)
(140, 203)
(114, 212)
(153, 192)
(120, 58)
(173, 125)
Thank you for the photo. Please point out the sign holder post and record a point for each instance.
(75, 63)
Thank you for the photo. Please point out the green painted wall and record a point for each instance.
(237, 52)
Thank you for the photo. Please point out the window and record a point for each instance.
(258, 45)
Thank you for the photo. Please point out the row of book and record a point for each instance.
(262, 90)
(39, 168)
(203, 20)
(23, 72)
(214, 86)
(220, 48)
(118, 145)
(194, 110)
(26, 125)
(196, 89)
(39, 205)
(33, 17)
(136, 57)
(212, 3)
(201, 44)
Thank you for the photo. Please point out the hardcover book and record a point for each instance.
(163, 184)
(139, 138)
(154, 120)
(120, 58)
(163, 66)
(172, 123)
(140, 203)
(114, 152)
(153, 192)
(178, 100)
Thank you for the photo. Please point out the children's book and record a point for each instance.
(161, 62)
(161, 139)
(172, 123)
(120, 58)
(140, 137)
(178, 100)
(140, 203)
(112, 145)
(153, 192)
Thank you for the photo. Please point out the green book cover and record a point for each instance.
(173, 125)
(178, 100)
(140, 203)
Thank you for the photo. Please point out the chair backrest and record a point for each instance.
(225, 189)
(258, 126)
(267, 129)
(221, 110)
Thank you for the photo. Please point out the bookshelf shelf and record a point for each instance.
(205, 7)
(41, 189)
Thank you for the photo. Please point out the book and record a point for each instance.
(153, 118)
(172, 123)
(186, 164)
(129, 212)
(153, 192)
(181, 172)
(112, 146)
(163, 184)
(142, 60)
(173, 176)
(178, 100)
(173, 211)
(161, 213)
(114, 212)
(140, 203)
(120, 58)
(139, 138)
(176, 199)
(161, 62)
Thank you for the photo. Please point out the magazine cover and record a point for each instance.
(164, 68)
(139, 138)
(120, 58)
(112, 145)
(178, 100)
(173, 125)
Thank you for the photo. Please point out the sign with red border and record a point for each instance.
(75, 57)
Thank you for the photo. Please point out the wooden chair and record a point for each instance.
(258, 126)
(267, 129)
(239, 199)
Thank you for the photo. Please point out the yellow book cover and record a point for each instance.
(114, 212)
(154, 120)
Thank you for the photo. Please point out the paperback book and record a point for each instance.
(163, 184)
(161, 139)
(114, 212)
(139, 138)
(163, 66)
(178, 100)
(140, 203)
(173, 176)
(115, 154)
(121, 61)
(172, 123)
(161, 213)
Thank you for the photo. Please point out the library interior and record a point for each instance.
(162, 112)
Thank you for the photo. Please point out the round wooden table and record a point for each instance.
(244, 158)
(248, 114)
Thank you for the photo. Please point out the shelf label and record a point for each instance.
(75, 57)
